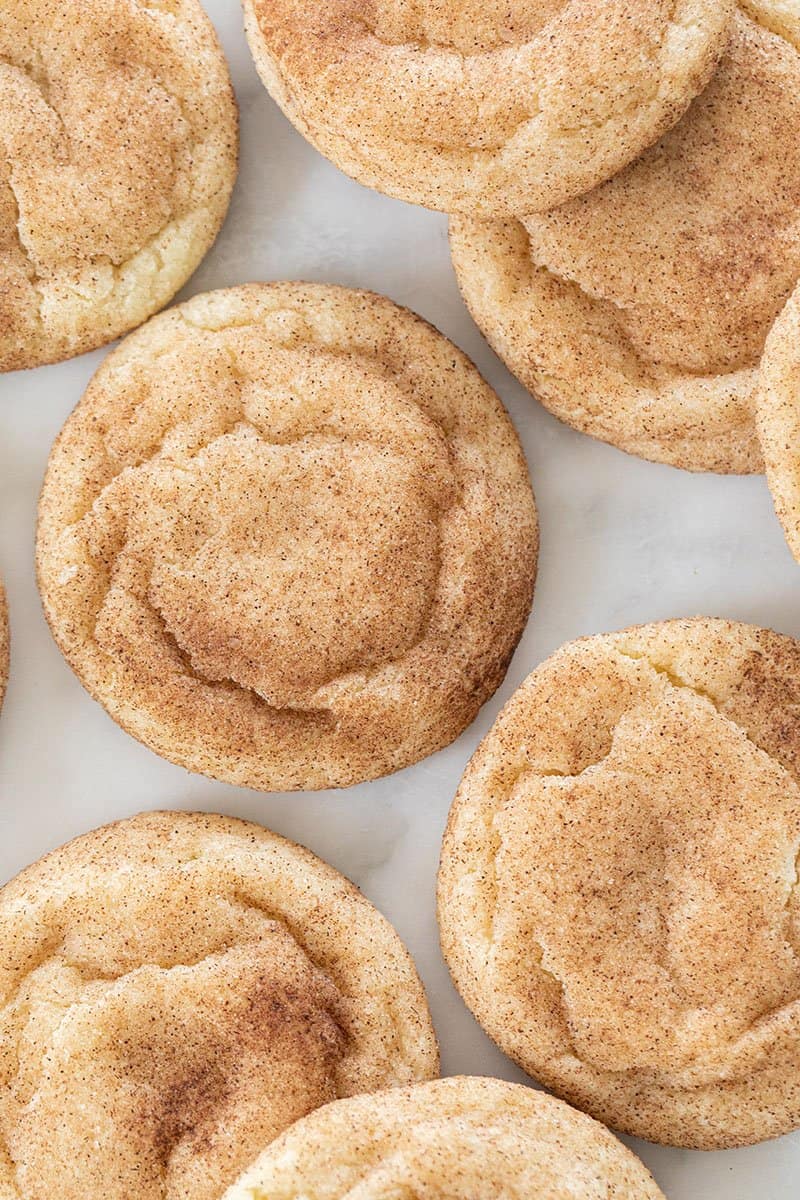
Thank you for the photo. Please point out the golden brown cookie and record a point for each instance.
(175, 991)
(480, 107)
(779, 418)
(456, 1139)
(618, 894)
(638, 313)
(3, 643)
(288, 537)
(118, 152)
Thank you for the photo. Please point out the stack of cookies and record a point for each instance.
(288, 540)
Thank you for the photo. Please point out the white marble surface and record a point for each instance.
(622, 541)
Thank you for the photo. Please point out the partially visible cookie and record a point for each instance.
(288, 537)
(779, 418)
(456, 1139)
(638, 313)
(485, 108)
(618, 895)
(175, 991)
(3, 643)
(118, 153)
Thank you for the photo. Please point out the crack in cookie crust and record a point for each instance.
(288, 537)
(586, 87)
(119, 145)
(175, 991)
(601, 860)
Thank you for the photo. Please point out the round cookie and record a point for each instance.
(288, 538)
(779, 418)
(175, 991)
(456, 1139)
(118, 154)
(618, 896)
(3, 644)
(485, 108)
(638, 313)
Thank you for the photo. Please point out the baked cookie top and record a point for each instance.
(618, 893)
(638, 313)
(505, 106)
(175, 991)
(288, 537)
(118, 153)
(779, 418)
(455, 1139)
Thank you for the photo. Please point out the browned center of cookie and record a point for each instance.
(661, 885)
(95, 149)
(645, 859)
(295, 539)
(117, 154)
(697, 245)
(162, 1080)
(283, 567)
(93, 141)
(175, 991)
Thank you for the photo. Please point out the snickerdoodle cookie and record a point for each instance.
(118, 150)
(288, 537)
(483, 107)
(779, 418)
(638, 313)
(456, 1139)
(175, 991)
(618, 893)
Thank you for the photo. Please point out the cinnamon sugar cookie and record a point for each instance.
(175, 991)
(779, 419)
(118, 150)
(456, 1139)
(485, 108)
(618, 893)
(288, 538)
(639, 312)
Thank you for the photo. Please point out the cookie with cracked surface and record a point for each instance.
(455, 1139)
(618, 896)
(175, 991)
(485, 108)
(638, 313)
(778, 414)
(288, 537)
(120, 144)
